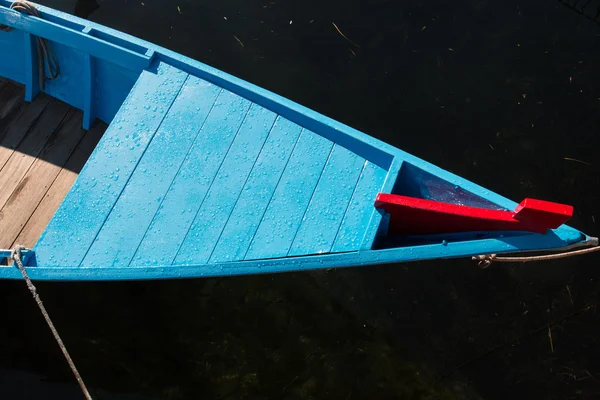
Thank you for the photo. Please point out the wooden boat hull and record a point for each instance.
(203, 174)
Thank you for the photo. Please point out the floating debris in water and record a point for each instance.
(179, 9)
(239, 41)
(576, 160)
(344, 36)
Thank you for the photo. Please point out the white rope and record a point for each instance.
(45, 54)
(487, 260)
(17, 257)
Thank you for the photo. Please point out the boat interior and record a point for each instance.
(42, 150)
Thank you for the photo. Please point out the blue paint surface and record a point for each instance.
(360, 209)
(257, 192)
(291, 198)
(328, 205)
(226, 188)
(125, 227)
(195, 177)
(200, 171)
(70, 233)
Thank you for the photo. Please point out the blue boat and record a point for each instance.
(202, 174)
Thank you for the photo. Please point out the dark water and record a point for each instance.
(498, 92)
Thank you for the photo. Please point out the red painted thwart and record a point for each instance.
(413, 216)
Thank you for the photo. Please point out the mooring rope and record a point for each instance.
(46, 56)
(487, 260)
(17, 257)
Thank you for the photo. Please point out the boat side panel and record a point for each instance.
(291, 198)
(257, 192)
(78, 220)
(126, 224)
(226, 188)
(12, 56)
(361, 207)
(112, 85)
(561, 237)
(191, 184)
(68, 85)
(329, 203)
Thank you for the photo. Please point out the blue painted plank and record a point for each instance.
(327, 208)
(188, 190)
(123, 230)
(291, 198)
(225, 190)
(360, 209)
(76, 223)
(258, 190)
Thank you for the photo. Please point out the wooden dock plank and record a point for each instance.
(124, 229)
(56, 193)
(360, 209)
(257, 192)
(328, 205)
(186, 195)
(228, 184)
(94, 193)
(21, 160)
(291, 198)
(35, 183)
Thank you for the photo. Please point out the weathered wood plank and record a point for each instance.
(125, 226)
(291, 198)
(35, 183)
(25, 117)
(327, 207)
(229, 182)
(11, 98)
(257, 192)
(188, 190)
(360, 209)
(25, 155)
(56, 193)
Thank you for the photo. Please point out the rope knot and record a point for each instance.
(484, 260)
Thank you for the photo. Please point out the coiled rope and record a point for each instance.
(17, 257)
(46, 57)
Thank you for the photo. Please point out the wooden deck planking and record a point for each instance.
(328, 205)
(21, 160)
(229, 182)
(37, 144)
(127, 223)
(188, 190)
(35, 183)
(291, 198)
(55, 194)
(95, 192)
(360, 209)
(257, 192)
(11, 99)
(18, 126)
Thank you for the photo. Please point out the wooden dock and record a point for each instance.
(42, 150)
